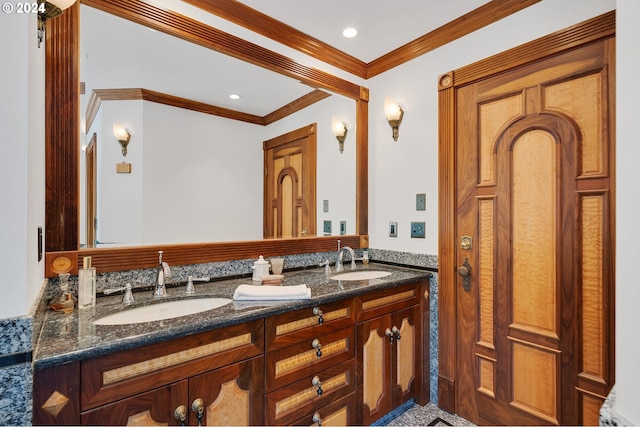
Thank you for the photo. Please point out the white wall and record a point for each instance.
(399, 170)
(21, 162)
(627, 230)
(205, 173)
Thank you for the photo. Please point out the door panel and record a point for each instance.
(534, 192)
(290, 184)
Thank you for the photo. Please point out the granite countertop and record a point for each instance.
(72, 337)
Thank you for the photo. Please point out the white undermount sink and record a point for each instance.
(360, 275)
(162, 311)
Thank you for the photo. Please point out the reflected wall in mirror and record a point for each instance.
(62, 147)
(190, 176)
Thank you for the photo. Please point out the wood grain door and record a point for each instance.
(290, 184)
(534, 177)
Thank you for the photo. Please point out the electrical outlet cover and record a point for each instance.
(417, 230)
(393, 229)
(327, 227)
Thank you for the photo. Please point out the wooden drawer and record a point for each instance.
(386, 301)
(339, 413)
(285, 405)
(300, 359)
(126, 373)
(287, 328)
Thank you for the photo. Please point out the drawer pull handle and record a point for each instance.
(197, 406)
(318, 312)
(316, 344)
(316, 383)
(316, 419)
(180, 414)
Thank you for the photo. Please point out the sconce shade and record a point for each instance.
(123, 137)
(394, 113)
(340, 131)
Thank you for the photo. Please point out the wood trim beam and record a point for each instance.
(62, 95)
(99, 95)
(280, 32)
(258, 22)
(478, 18)
(140, 257)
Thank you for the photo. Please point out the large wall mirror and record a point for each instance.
(219, 146)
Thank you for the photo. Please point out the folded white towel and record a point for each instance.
(271, 293)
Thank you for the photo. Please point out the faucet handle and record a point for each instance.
(190, 288)
(128, 295)
(327, 267)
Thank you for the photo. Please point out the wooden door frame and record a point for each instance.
(598, 28)
(91, 179)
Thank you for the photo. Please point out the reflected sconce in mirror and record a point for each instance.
(123, 136)
(340, 131)
(48, 10)
(394, 112)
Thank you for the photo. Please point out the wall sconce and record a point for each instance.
(47, 10)
(123, 136)
(340, 131)
(394, 113)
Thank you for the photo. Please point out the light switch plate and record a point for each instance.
(325, 206)
(417, 230)
(421, 202)
(393, 229)
(343, 228)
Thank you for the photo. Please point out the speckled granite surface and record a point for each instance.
(411, 414)
(70, 337)
(15, 372)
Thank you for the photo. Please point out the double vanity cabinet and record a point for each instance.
(348, 356)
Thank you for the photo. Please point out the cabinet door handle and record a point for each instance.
(316, 419)
(389, 333)
(316, 344)
(316, 383)
(180, 414)
(396, 331)
(318, 312)
(197, 406)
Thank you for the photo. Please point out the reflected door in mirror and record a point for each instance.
(290, 184)
(91, 155)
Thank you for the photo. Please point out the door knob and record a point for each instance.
(464, 271)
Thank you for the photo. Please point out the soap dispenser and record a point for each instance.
(260, 269)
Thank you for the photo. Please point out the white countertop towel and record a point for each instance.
(271, 293)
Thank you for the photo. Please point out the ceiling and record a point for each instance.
(134, 57)
(381, 27)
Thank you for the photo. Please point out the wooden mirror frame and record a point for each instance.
(62, 139)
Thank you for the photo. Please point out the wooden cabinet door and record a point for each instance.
(374, 367)
(153, 408)
(233, 395)
(405, 363)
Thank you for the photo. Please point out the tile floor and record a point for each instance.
(412, 414)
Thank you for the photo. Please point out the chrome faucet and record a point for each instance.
(339, 266)
(163, 272)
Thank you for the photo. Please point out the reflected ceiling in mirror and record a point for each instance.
(186, 167)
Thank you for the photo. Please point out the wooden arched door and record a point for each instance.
(290, 184)
(532, 282)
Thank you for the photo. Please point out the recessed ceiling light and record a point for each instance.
(350, 32)
(234, 96)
